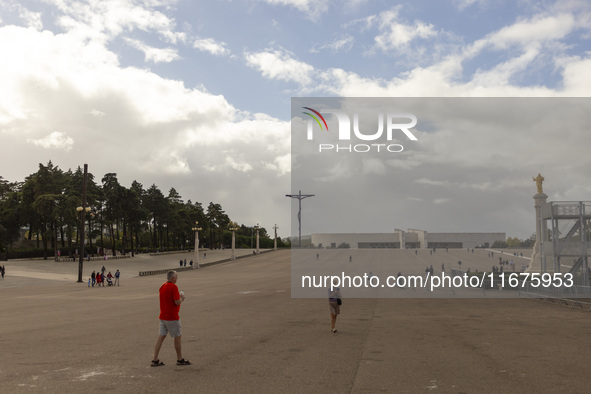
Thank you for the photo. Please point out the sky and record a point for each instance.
(452, 164)
(196, 95)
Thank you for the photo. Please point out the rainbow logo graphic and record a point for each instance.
(315, 118)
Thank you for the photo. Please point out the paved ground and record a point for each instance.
(44, 272)
(244, 333)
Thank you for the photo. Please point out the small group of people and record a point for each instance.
(183, 263)
(506, 262)
(99, 278)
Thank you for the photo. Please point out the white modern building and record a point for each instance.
(410, 239)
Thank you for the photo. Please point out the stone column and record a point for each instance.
(537, 264)
(401, 238)
(233, 244)
(196, 262)
(196, 229)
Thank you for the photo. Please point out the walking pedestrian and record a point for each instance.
(334, 306)
(170, 322)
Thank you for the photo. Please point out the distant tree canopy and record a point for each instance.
(516, 242)
(121, 218)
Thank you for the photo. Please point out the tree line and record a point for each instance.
(129, 219)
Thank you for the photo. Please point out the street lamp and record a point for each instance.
(275, 243)
(196, 229)
(257, 228)
(233, 230)
(82, 211)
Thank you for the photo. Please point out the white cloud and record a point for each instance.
(430, 182)
(463, 4)
(311, 7)
(403, 164)
(343, 44)
(281, 164)
(526, 33)
(155, 55)
(116, 108)
(55, 140)
(105, 19)
(241, 166)
(275, 64)
(373, 166)
(212, 46)
(534, 41)
(33, 19)
(577, 79)
(355, 4)
(395, 34)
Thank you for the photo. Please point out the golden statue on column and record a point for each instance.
(539, 179)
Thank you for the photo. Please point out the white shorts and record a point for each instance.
(170, 326)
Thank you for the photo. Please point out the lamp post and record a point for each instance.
(82, 210)
(275, 243)
(257, 228)
(196, 229)
(165, 248)
(233, 230)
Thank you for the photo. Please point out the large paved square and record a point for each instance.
(244, 333)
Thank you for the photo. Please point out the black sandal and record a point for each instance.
(157, 363)
(183, 362)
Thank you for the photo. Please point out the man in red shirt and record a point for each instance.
(170, 322)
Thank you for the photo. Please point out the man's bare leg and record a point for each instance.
(177, 347)
(158, 346)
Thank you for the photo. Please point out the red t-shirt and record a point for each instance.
(169, 292)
